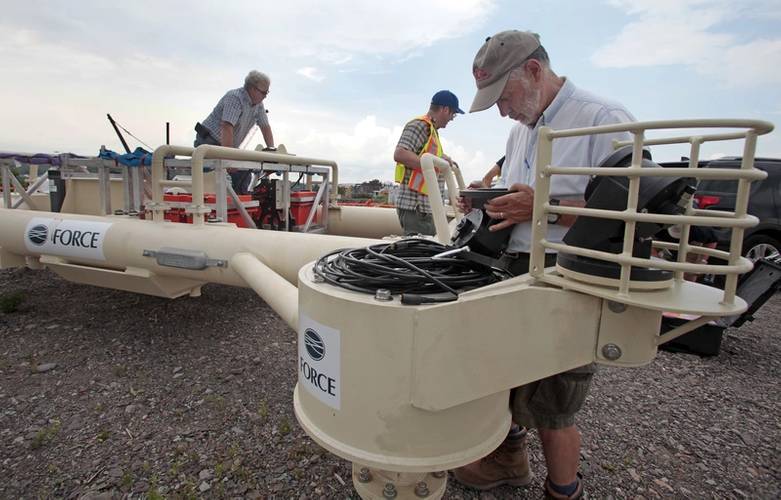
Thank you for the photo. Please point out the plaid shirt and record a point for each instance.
(236, 108)
(413, 138)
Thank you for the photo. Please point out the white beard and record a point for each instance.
(530, 107)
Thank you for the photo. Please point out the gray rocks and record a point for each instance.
(45, 367)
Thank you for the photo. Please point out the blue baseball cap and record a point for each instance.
(446, 98)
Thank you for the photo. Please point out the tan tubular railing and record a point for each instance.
(429, 165)
(198, 209)
(737, 220)
(158, 178)
(277, 292)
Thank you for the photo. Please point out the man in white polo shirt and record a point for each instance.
(512, 70)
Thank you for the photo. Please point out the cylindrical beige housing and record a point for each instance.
(363, 222)
(355, 390)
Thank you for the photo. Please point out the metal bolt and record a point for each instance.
(439, 474)
(389, 491)
(364, 475)
(611, 352)
(421, 489)
(383, 294)
(616, 307)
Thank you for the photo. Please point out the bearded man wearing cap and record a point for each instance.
(512, 70)
(421, 135)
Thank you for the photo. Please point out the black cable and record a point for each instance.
(405, 267)
(301, 176)
(134, 137)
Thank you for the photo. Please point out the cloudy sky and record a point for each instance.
(347, 74)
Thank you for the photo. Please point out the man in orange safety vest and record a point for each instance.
(419, 136)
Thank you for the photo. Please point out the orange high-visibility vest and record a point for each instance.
(433, 146)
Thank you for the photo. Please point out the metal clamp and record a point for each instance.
(184, 259)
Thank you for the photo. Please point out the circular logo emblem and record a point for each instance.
(38, 234)
(314, 344)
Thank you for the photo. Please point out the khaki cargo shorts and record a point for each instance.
(551, 403)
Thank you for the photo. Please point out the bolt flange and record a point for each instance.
(389, 491)
(611, 352)
(364, 475)
(421, 489)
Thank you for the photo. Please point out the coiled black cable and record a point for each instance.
(406, 267)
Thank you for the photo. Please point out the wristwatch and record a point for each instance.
(554, 218)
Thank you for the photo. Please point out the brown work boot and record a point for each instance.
(508, 464)
(576, 495)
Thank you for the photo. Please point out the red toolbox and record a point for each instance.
(301, 204)
(177, 213)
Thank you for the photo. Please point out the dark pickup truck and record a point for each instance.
(763, 240)
(761, 244)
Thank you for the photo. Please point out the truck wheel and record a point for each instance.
(759, 246)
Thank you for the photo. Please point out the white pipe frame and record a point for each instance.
(275, 290)
(429, 164)
(198, 209)
(737, 220)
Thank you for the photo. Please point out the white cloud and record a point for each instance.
(759, 60)
(337, 32)
(171, 61)
(695, 33)
(311, 73)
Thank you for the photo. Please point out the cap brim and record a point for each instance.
(487, 96)
(459, 110)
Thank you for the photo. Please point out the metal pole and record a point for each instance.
(119, 134)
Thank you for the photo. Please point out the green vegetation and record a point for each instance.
(10, 302)
(263, 410)
(284, 427)
(45, 435)
(119, 371)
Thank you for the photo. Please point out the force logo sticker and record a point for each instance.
(66, 238)
(319, 364)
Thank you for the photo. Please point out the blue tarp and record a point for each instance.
(138, 157)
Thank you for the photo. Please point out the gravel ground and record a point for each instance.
(107, 394)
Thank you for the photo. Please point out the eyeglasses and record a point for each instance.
(264, 92)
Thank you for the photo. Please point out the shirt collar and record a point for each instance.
(562, 95)
(245, 97)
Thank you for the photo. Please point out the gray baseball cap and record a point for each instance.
(499, 55)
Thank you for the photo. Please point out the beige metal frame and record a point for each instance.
(426, 387)
(429, 165)
(197, 156)
(676, 298)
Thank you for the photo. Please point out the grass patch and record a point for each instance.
(119, 371)
(216, 402)
(127, 480)
(263, 409)
(45, 435)
(103, 436)
(153, 493)
(10, 302)
(284, 427)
